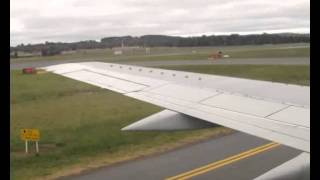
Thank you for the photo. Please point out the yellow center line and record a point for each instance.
(223, 162)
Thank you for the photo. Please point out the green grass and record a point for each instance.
(291, 74)
(76, 121)
(80, 124)
(181, 53)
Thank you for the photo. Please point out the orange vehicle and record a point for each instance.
(215, 55)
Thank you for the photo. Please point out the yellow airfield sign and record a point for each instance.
(30, 134)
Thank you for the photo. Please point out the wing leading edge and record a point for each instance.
(274, 111)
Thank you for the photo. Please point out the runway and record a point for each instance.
(244, 61)
(257, 61)
(261, 156)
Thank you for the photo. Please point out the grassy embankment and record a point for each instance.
(181, 53)
(80, 124)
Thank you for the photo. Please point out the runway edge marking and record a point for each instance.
(223, 162)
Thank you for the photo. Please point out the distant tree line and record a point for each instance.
(53, 48)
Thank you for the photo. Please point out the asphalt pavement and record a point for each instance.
(258, 61)
(185, 159)
(235, 61)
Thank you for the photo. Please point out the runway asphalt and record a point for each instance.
(171, 164)
(255, 61)
(261, 61)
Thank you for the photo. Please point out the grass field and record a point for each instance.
(291, 74)
(80, 124)
(182, 53)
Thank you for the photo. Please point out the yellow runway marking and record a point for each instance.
(223, 162)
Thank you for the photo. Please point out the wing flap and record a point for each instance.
(278, 131)
(244, 104)
(294, 115)
(184, 93)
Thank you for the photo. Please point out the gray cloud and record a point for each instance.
(85, 19)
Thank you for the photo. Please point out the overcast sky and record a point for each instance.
(37, 21)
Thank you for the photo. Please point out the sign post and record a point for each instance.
(37, 148)
(26, 146)
(30, 135)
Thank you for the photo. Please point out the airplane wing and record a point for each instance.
(274, 111)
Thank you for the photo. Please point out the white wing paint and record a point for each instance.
(274, 111)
